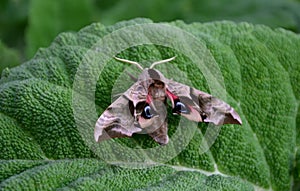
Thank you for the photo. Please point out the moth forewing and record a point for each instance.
(215, 110)
(160, 135)
(116, 120)
(143, 107)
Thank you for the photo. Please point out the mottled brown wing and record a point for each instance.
(160, 135)
(116, 121)
(201, 106)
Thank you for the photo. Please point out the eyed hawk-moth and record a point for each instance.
(142, 108)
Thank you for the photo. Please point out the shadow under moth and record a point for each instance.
(142, 108)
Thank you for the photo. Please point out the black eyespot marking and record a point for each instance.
(140, 106)
(180, 107)
(131, 107)
(148, 112)
(203, 116)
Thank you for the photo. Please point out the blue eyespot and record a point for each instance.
(148, 112)
(180, 108)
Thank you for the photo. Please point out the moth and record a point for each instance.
(142, 108)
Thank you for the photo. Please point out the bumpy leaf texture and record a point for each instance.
(40, 141)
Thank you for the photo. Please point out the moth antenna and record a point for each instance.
(162, 61)
(130, 62)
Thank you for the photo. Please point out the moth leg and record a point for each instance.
(160, 135)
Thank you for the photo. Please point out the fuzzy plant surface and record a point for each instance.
(45, 145)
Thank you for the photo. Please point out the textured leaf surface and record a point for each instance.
(91, 174)
(260, 68)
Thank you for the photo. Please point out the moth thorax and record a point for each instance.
(157, 90)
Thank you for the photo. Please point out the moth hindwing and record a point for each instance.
(142, 108)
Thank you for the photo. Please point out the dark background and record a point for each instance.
(26, 25)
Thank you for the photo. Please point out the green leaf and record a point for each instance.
(48, 18)
(259, 69)
(91, 174)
